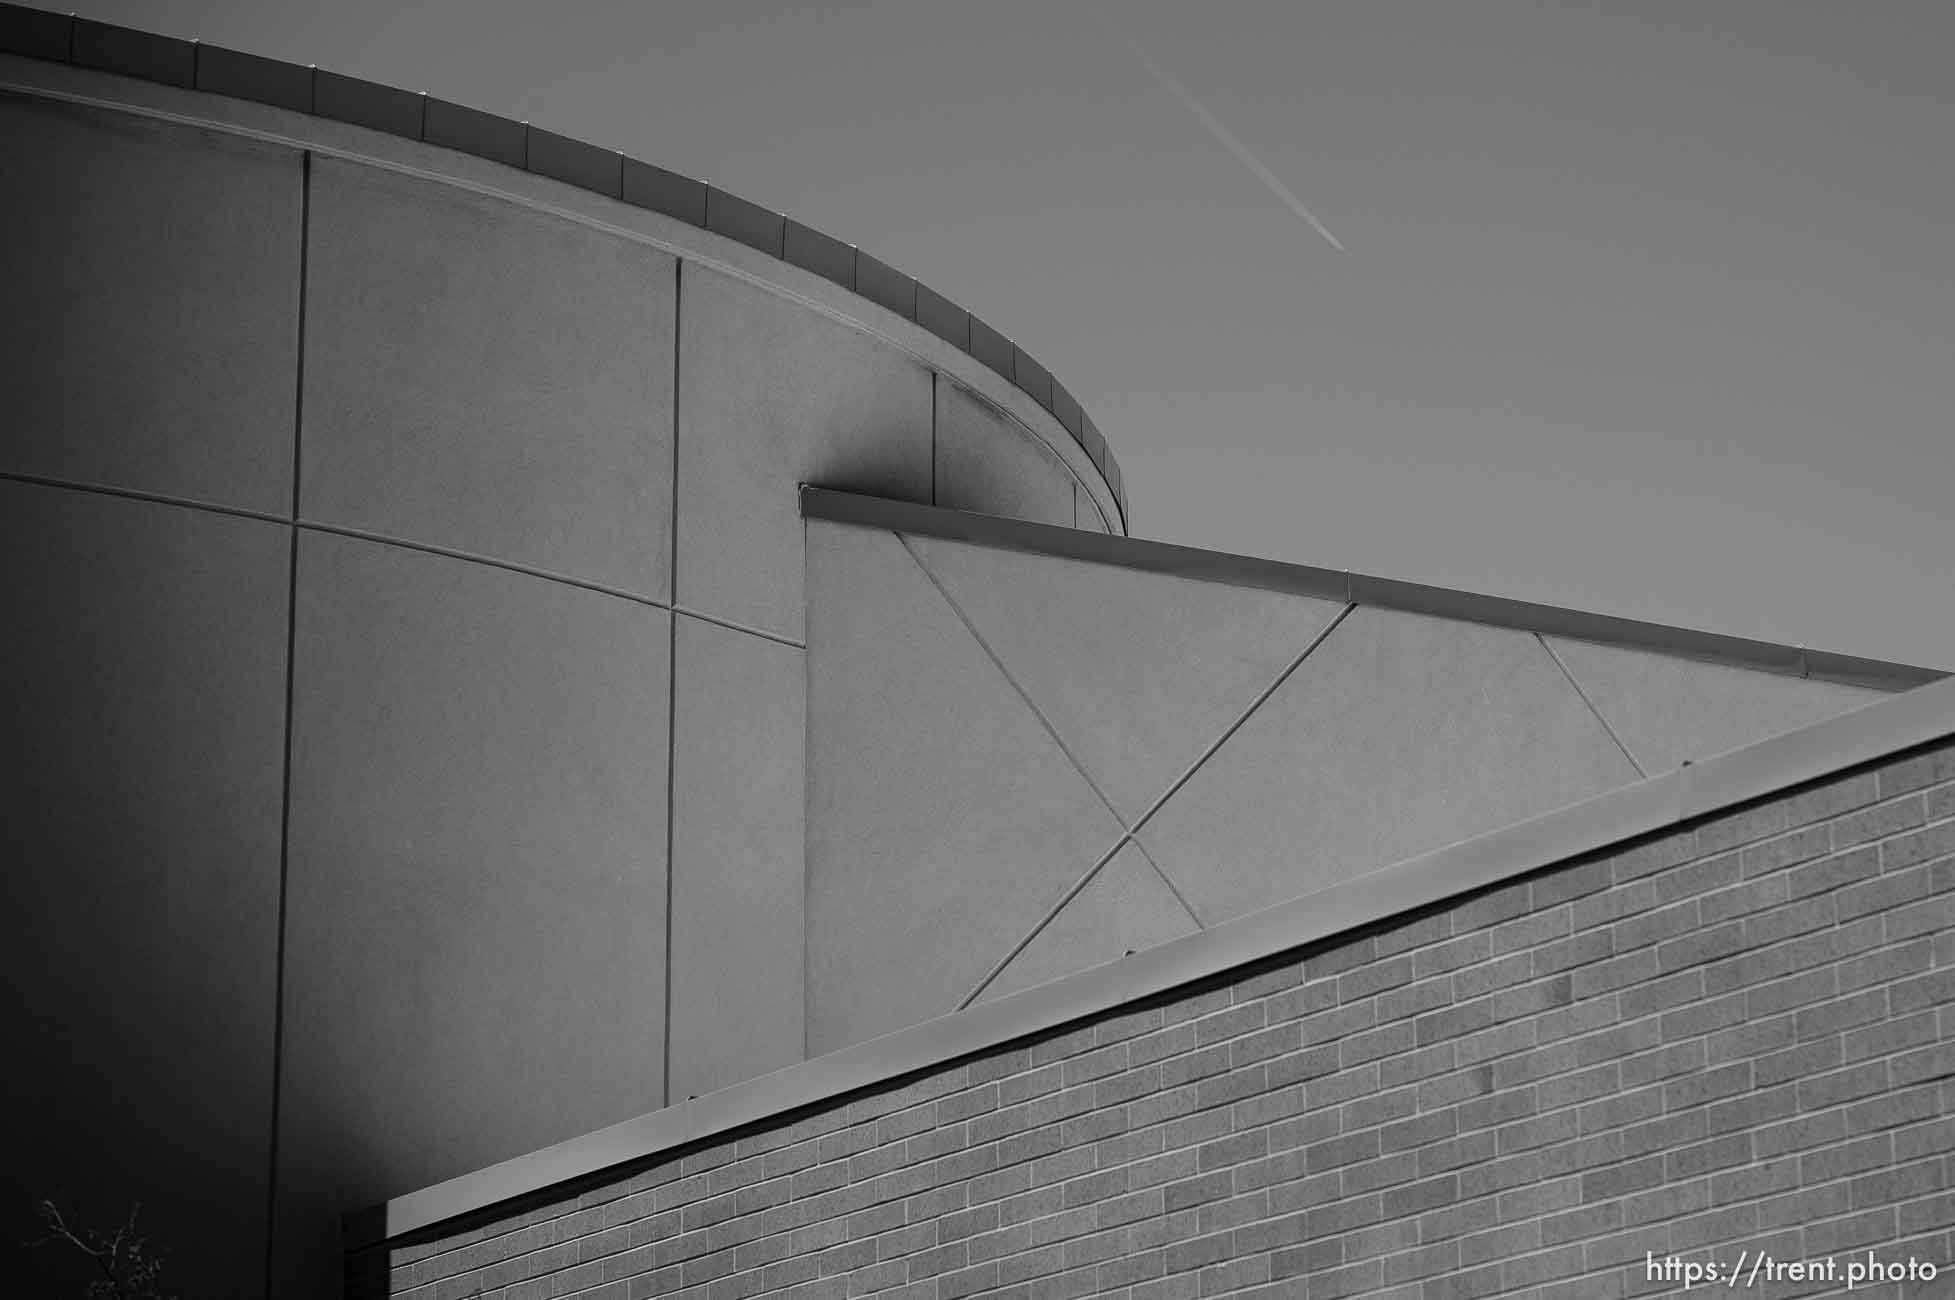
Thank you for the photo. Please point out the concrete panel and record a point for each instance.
(1138, 672)
(141, 758)
(475, 947)
(151, 329)
(986, 463)
(772, 395)
(738, 955)
(1086, 515)
(943, 821)
(1666, 710)
(1402, 733)
(488, 378)
(1125, 907)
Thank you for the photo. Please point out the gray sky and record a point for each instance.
(1648, 308)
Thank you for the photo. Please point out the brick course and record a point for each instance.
(1737, 1037)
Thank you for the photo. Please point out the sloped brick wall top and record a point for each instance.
(1735, 1040)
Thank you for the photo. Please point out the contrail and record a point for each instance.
(1220, 132)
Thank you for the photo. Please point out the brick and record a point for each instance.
(1380, 1108)
(1930, 1213)
(1530, 931)
(1229, 1023)
(1454, 954)
(1879, 821)
(1793, 991)
(1707, 945)
(1581, 949)
(1664, 1062)
(1717, 1226)
(1762, 1106)
(1655, 855)
(1932, 990)
(1387, 1171)
(1671, 1202)
(1339, 958)
(1831, 799)
(1841, 1014)
(1414, 999)
(1708, 1086)
(1561, 885)
(1622, 1109)
(1369, 980)
(1485, 910)
(1251, 987)
(1467, 1218)
(1581, 1086)
(1471, 1148)
(1732, 829)
(1606, 976)
(1574, 1020)
(1937, 1062)
(1885, 893)
(1903, 1183)
(1611, 906)
(1890, 1036)
(1786, 850)
(1410, 1067)
(1384, 1041)
(1907, 850)
(1835, 1236)
(1930, 768)
(1699, 877)
(1665, 1133)
(1700, 1018)
(1886, 965)
(1160, 1044)
(1412, 934)
(1589, 1221)
(1936, 914)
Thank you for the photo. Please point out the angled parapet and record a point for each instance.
(1756, 936)
(1034, 749)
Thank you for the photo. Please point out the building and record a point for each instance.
(573, 735)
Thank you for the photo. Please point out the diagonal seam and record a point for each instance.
(1018, 690)
(1172, 887)
(1174, 787)
(998, 968)
(1565, 672)
(1132, 836)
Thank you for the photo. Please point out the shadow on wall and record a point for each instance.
(144, 732)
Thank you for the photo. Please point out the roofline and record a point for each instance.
(213, 69)
(1874, 732)
(1361, 589)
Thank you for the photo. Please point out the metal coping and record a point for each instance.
(1877, 731)
(105, 47)
(1357, 588)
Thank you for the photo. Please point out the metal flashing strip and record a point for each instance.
(127, 51)
(1360, 589)
(1879, 730)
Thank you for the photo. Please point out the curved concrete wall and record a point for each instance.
(404, 762)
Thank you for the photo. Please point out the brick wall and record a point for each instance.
(1736, 1038)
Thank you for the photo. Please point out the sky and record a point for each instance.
(1646, 308)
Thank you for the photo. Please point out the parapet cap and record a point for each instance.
(193, 65)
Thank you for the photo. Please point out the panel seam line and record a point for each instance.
(1565, 672)
(285, 775)
(1071, 893)
(1323, 635)
(1018, 690)
(671, 691)
(405, 543)
(1172, 887)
